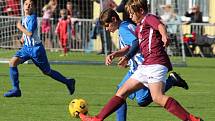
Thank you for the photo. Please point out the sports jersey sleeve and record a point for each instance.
(153, 21)
(32, 23)
(127, 34)
(133, 50)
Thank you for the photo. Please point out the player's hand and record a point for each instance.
(109, 59)
(22, 40)
(123, 62)
(166, 41)
(19, 25)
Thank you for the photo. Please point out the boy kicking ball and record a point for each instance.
(34, 50)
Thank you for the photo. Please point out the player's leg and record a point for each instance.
(175, 80)
(121, 113)
(40, 59)
(178, 81)
(156, 86)
(167, 102)
(20, 57)
(116, 101)
(143, 97)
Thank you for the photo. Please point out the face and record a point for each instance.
(136, 17)
(69, 6)
(112, 27)
(28, 7)
(62, 13)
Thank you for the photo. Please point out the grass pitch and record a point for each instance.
(44, 99)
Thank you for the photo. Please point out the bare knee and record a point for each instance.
(158, 99)
(122, 93)
(13, 62)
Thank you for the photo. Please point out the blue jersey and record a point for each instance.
(126, 37)
(30, 23)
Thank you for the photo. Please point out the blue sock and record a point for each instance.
(169, 83)
(121, 113)
(14, 77)
(57, 76)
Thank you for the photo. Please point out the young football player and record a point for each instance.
(34, 50)
(110, 19)
(153, 39)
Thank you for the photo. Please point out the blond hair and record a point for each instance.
(137, 5)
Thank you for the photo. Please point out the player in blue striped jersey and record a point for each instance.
(112, 22)
(34, 50)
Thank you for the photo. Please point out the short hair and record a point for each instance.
(64, 11)
(137, 5)
(106, 16)
(33, 1)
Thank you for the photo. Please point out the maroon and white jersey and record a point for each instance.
(151, 44)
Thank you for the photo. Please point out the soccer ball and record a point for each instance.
(78, 106)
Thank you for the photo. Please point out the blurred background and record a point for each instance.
(190, 25)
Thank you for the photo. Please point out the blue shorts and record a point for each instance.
(37, 54)
(141, 95)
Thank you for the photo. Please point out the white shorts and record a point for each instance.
(150, 74)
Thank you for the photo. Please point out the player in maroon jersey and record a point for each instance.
(153, 39)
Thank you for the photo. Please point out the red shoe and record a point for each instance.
(88, 118)
(193, 118)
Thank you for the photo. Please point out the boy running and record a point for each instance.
(34, 50)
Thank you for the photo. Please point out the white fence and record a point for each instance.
(78, 40)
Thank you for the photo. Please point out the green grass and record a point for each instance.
(47, 100)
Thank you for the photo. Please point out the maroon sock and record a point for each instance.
(114, 103)
(176, 109)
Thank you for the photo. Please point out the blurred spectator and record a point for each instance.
(9, 12)
(108, 4)
(121, 9)
(72, 14)
(170, 18)
(55, 10)
(46, 25)
(100, 30)
(53, 4)
(2, 3)
(62, 31)
(195, 14)
(13, 6)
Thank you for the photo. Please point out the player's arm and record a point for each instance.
(121, 6)
(22, 40)
(123, 61)
(163, 32)
(156, 24)
(22, 28)
(115, 54)
(133, 50)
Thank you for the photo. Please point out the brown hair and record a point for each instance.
(137, 5)
(33, 1)
(106, 16)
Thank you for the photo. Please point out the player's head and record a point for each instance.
(69, 5)
(63, 13)
(109, 19)
(28, 6)
(137, 9)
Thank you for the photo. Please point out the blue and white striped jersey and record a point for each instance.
(30, 23)
(126, 37)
